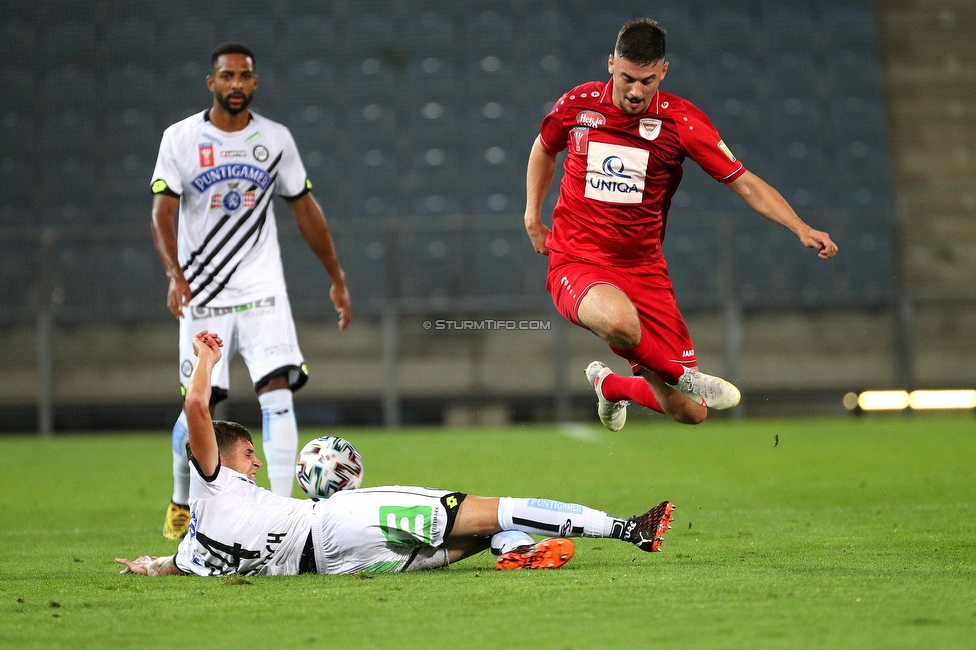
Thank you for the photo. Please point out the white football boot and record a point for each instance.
(613, 415)
(713, 392)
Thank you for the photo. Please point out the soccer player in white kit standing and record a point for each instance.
(218, 170)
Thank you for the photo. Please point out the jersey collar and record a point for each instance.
(607, 98)
(206, 116)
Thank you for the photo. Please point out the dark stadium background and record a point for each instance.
(415, 120)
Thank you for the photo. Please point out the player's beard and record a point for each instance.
(224, 101)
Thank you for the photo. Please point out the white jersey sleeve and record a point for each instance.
(238, 527)
(167, 168)
(292, 177)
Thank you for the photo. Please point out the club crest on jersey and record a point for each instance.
(579, 137)
(650, 128)
(591, 119)
(232, 201)
(206, 155)
(260, 153)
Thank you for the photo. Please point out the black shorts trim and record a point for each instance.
(307, 562)
(297, 376)
(451, 503)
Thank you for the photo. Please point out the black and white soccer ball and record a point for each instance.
(328, 464)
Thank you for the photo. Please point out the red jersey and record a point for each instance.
(622, 170)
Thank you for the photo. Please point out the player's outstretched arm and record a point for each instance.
(148, 565)
(164, 209)
(764, 199)
(538, 177)
(315, 230)
(203, 442)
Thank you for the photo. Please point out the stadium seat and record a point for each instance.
(70, 42)
(68, 133)
(309, 36)
(864, 177)
(313, 127)
(18, 133)
(430, 78)
(255, 31)
(488, 33)
(692, 254)
(854, 75)
(69, 88)
(428, 263)
(371, 125)
(432, 124)
(130, 41)
(503, 263)
(727, 31)
(368, 35)
(429, 34)
(489, 78)
(18, 42)
(850, 29)
(364, 259)
(189, 40)
(310, 81)
(19, 85)
(795, 76)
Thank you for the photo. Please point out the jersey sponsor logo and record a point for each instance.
(238, 153)
(251, 138)
(591, 119)
(229, 172)
(407, 525)
(215, 201)
(650, 128)
(260, 153)
(554, 506)
(248, 199)
(206, 155)
(725, 149)
(687, 353)
(197, 312)
(614, 166)
(579, 137)
(615, 173)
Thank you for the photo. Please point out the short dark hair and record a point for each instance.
(641, 42)
(228, 435)
(231, 48)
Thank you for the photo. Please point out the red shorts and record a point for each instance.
(648, 287)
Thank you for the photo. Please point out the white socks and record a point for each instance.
(181, 465)
(279, 431)
(553, 518)
(508, 540)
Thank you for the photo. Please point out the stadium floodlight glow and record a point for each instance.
(943, 399)
(883, 400)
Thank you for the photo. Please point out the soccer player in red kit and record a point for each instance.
(626, 141)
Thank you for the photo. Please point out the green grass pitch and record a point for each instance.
(825, 533)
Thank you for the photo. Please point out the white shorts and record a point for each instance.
(262, 331)
(383, 529)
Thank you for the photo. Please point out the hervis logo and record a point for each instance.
(406, 525)
(591, 119)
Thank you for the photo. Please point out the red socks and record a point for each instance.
(636, 389)
(648, 353)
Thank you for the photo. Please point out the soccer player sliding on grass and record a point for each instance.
(238, 527)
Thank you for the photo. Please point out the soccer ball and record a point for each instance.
(327, 465)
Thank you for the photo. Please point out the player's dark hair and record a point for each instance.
(641, 42)
(231, 48)
(228, 435)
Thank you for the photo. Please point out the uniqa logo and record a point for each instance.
(614, 166)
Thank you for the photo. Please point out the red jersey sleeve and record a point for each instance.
(703, 144)
(554, 133)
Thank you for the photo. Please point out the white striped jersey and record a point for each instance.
(239, 527)
(227, 235)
